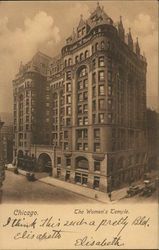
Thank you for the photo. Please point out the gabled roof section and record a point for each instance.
(99, 16)
(81, 22)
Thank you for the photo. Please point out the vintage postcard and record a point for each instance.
(79, 125)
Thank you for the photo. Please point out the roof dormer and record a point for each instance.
(82, 28)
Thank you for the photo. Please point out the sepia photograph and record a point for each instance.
(79, 124)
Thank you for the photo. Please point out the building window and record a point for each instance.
(102, 45)
(68, 121)
(80, 123)
(85, 83)
(96, 165)
(109, 76)
(27, 101)
(101, 76)
(101, 118)
(68, 162)
(58, 172)
(101, 61)
(27, 110)
(85, 108)
(68, 86)
(109, 117)
(80, 109)
(68, 75)
(68, 99)
(97, 133)
(85, 96)
(79, 134)
(69, 61)
(59, 161)
(109, 104)
(85, 146)
(65, 134)
(109, 90)
(96, 182)
(85, 120)
(80, 85)
(83, 72)
(76, 59)
(101, 89)
(68, 110)
(86, 54)
(80, 97)
(81, 178)
(101, 104)
(85, 133)
(97, 147)
(66, 145)
(93, 118)
(67, 175)
(79, 146)
(96, 47)
(81, 57)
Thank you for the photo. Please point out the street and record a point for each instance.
(17, 189)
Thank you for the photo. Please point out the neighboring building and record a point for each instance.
(153, 139)
(7, 142)
(31, 105)
(96, 134)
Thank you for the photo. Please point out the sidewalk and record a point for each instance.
(78, 189)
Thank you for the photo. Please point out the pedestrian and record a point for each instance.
(110, 196)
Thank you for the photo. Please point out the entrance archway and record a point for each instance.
(45, 163)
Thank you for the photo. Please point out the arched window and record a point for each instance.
(96, 47)
(102, 45)
(82, 163)
(81, 56)
(83, 72)
(76, 59)
(86, 54)
(69, 61)
(65, 63)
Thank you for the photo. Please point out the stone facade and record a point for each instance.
(97, 107)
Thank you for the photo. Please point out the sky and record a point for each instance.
(29, 26)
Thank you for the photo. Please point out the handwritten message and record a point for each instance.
(87, 227)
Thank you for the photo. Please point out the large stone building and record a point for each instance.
(92, 127)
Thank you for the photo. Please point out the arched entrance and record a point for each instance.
(81, 173)
(45, 163)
